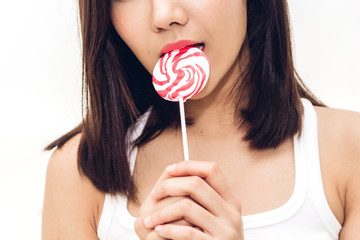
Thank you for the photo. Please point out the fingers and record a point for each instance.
(150, 201)
(153, 234)
(192, 186)
(199, 195)
(185, 209)
(203, 181)
(177, 232)
(206, 170)
(209, 171)
(229, 224)
(145, 211)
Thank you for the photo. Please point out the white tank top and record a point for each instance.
(306, 215)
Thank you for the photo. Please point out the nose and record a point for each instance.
(167, 14)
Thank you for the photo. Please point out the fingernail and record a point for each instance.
(147, 220)
(158, 228)
(171, 168)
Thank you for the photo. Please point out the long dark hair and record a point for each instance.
(117, 90)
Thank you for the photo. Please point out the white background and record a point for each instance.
(40, 85)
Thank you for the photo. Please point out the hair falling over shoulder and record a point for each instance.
(117, 90)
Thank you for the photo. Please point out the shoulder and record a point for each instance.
(72, 205)
(341, 129)
(339, 140)
(65, 158)
(339, 145)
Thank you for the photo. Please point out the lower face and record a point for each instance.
(146, 26)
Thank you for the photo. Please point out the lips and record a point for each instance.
(180, 44)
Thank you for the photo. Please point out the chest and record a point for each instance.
(262, 181)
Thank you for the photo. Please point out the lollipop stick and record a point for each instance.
(183, 130)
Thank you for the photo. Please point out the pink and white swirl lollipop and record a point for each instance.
(182, 73)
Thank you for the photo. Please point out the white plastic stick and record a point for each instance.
(183, 129)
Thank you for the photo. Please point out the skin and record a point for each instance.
(225, 179)
(160, 22)
(72, 205)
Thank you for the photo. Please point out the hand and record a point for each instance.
(206, 203)
(148, 207)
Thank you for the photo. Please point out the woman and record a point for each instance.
(265, 164)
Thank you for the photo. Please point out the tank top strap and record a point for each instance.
(316, 188)
(297, 199)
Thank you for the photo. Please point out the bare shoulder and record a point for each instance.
(339, 144)
(72, 205)
(340, 131)
(342, 122)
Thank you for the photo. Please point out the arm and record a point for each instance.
(339, 139)
(351, 224)
(72, 205)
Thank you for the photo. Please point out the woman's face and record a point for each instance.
(147, 26)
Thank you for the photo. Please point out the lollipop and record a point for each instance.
(180, 75)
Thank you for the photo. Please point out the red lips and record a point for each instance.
(176, 45)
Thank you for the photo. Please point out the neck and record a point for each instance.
(214, 115)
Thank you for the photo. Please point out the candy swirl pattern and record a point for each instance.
(182, 73)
